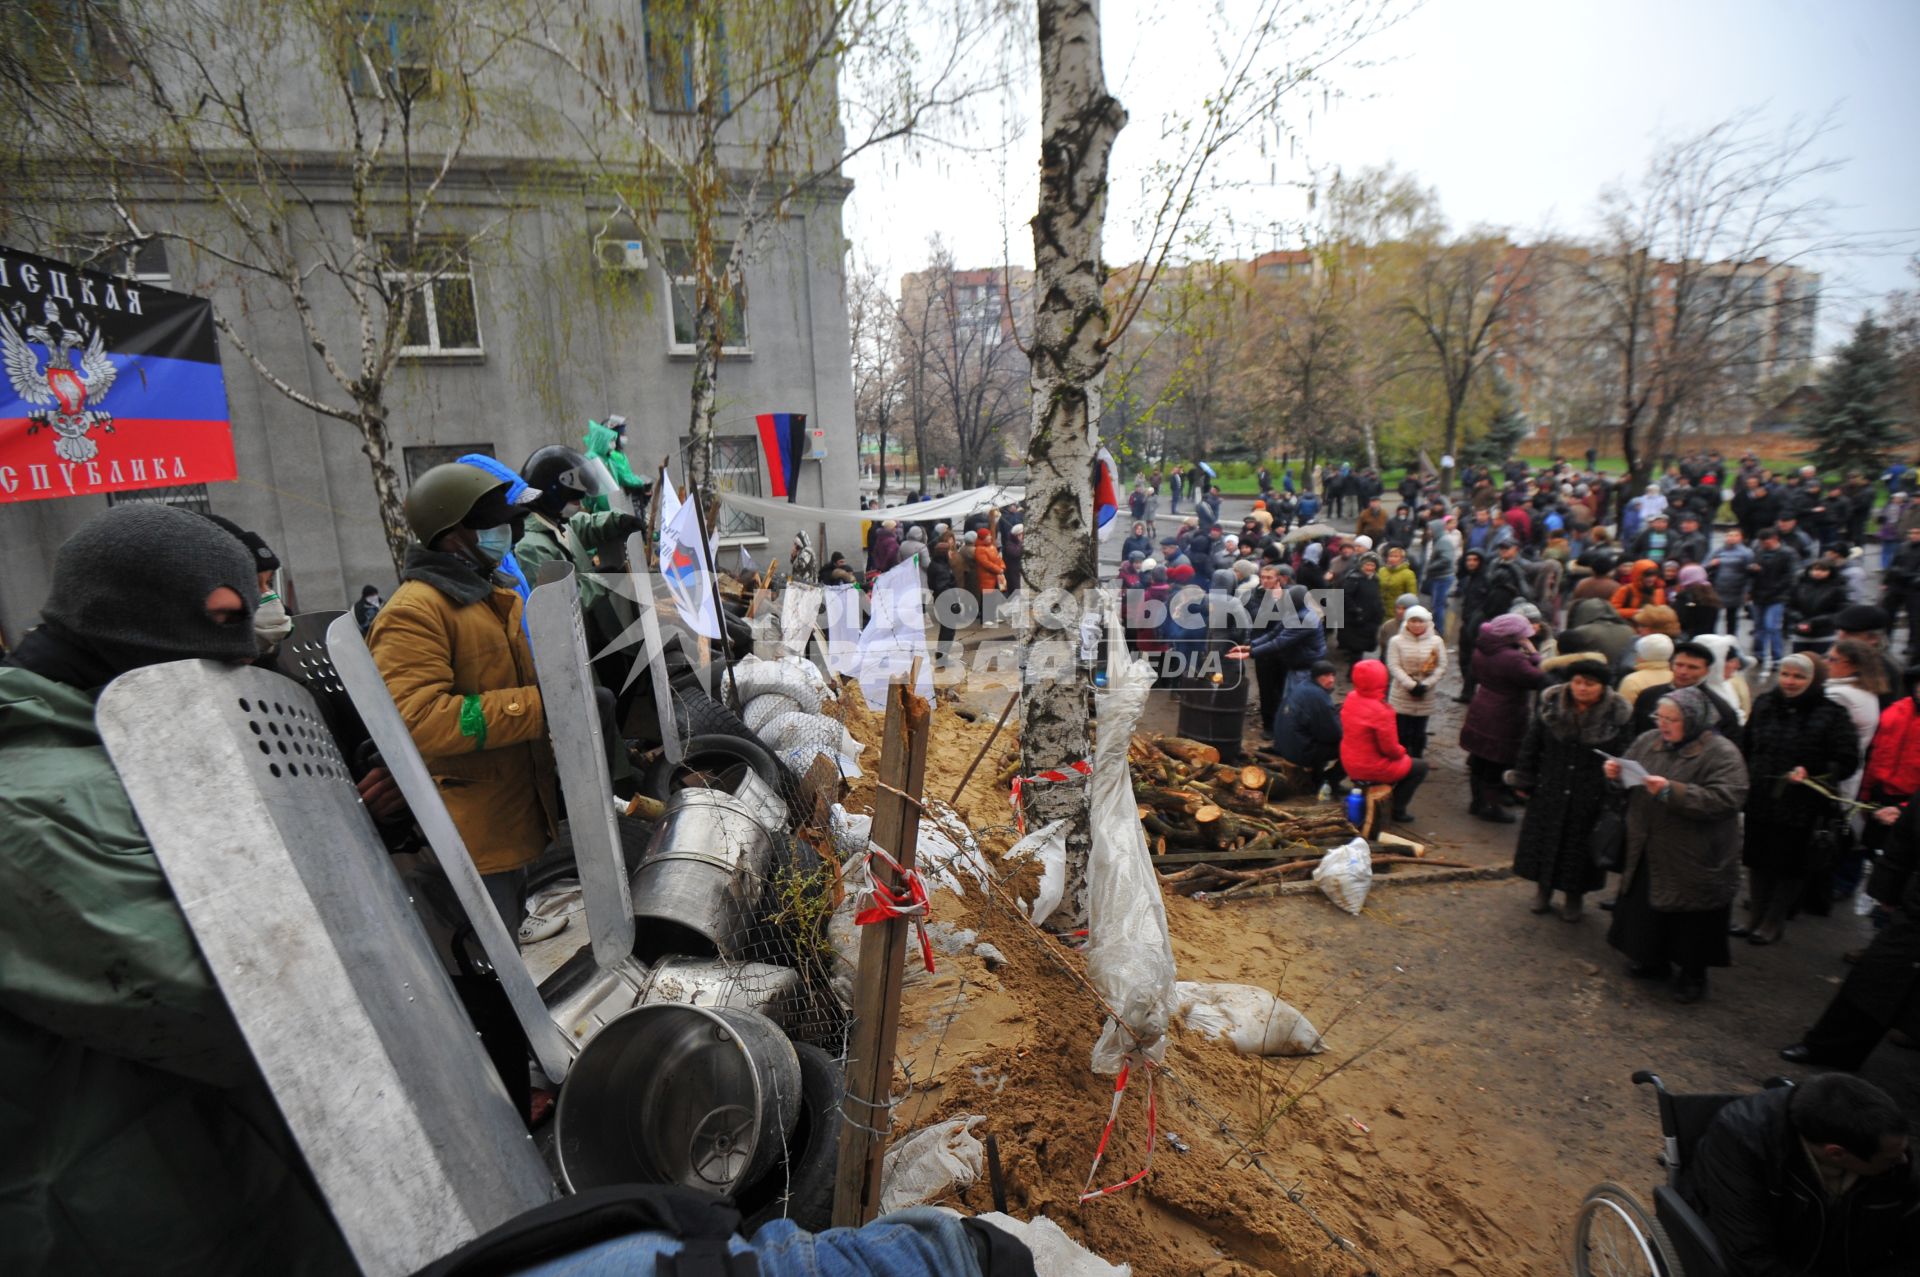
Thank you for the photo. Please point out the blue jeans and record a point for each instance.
(1439, 588)
(1769, 644)
(1887, 550)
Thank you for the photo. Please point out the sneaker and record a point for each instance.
(534, 928)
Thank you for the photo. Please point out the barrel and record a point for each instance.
(1215, 713)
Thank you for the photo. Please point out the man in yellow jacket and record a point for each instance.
(455, 657)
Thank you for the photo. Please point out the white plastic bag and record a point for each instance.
(1252, 1019)
(1345, 874)
(1047, 844)
(929, 1164)
(1054, 1253)
(1129, 955)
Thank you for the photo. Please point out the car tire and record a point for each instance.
(800, 1186)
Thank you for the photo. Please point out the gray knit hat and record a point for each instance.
(132, 584)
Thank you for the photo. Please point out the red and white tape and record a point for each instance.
(1113, 1115)
(909, 902)
(1080, 770)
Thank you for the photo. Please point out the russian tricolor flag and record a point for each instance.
(1106, 499)
(782, 439)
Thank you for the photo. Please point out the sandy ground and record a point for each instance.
(1475, 1086)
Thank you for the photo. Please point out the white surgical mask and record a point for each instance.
(270, 622)
(496, 543)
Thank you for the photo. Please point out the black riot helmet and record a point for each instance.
(563, 475)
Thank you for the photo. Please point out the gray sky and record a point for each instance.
(1517, 111)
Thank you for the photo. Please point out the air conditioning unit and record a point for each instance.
(619, 254)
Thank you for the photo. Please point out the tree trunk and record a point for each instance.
(1373, 443)
(377, 443)
(1079, 122)
(706, 376)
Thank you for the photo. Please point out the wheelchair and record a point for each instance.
(1615, 1236)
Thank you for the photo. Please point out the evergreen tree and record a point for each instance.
(1851, 424)
(1504, 433)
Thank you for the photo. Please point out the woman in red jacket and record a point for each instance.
(1370, 748)
(1893, 760)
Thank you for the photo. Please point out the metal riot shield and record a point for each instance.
(355, 1025)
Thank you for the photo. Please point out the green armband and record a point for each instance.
(473, 721)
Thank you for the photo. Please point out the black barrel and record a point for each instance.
(1213, 701)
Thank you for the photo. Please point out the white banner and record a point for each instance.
(895, 635)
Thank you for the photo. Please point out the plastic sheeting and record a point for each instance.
(947, 509)
(1129, 955)
(1251, 1018)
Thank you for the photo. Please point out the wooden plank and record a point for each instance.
(877, 984)
(1232, 857)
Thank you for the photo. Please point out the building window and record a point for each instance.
(676, 48)
(143, 261)
(389, 50)
(681, 284)
(736, 468)
(187, 496)
(426, 457)
(444, 318)
(73, 39)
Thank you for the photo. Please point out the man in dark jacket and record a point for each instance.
(138, 1135)
(1903, 587)
(1773, 571)
(1815, 1180)
(1306, 731)
(1506, 583)
(1690, 543)
(1295, 645)
(1691, 663)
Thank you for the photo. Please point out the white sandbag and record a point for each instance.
(946, 849)
(756, 677)
(799, 760)
(1054, 1253)
(1129, 954)
(929, 1164)
(1251, 1018)
(850, 832)
(1048, 845)
(766, 707)
(1345, 874)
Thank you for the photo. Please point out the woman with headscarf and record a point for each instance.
(1139, 539)
(1682, 867)
(1559, 771)
(1506, 669)
(1795, 735)
(1471, 590)
(1652, 654)
(1724, 678)
(883, 551)
(1152, 609)
(1416, 661)
(1312, 572)
(1695, 601)
(1856, 680)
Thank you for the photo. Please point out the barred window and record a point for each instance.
(426, 457)
(444, 318)
(736, 468)
(186, 496)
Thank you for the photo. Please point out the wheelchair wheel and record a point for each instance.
(1615, 1236)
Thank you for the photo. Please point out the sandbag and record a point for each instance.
(929, 1164)
(1345, 874)
(768, 706)
(1251, 1018)
(1054, 1253)
(1048, 845)
(789, 677)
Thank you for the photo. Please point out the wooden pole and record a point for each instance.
(866, 1110)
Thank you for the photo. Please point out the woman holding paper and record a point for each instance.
(1682, 867)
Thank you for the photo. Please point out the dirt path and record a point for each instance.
(1477, 1073)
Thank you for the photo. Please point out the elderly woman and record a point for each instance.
(1416, 660)
(1652, 654)
(1682, 867)
(1795, 735)
(1694, 601)
(1505, 669)
(1559, 771)
(1724, 678)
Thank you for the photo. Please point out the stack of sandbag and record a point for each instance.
(782, 700)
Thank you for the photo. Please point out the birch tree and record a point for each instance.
(1281, 49)
(302, 198)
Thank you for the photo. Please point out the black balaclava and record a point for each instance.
(131, 588)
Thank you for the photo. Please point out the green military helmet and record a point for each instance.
(443, 497)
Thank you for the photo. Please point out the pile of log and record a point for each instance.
(1189, 801)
